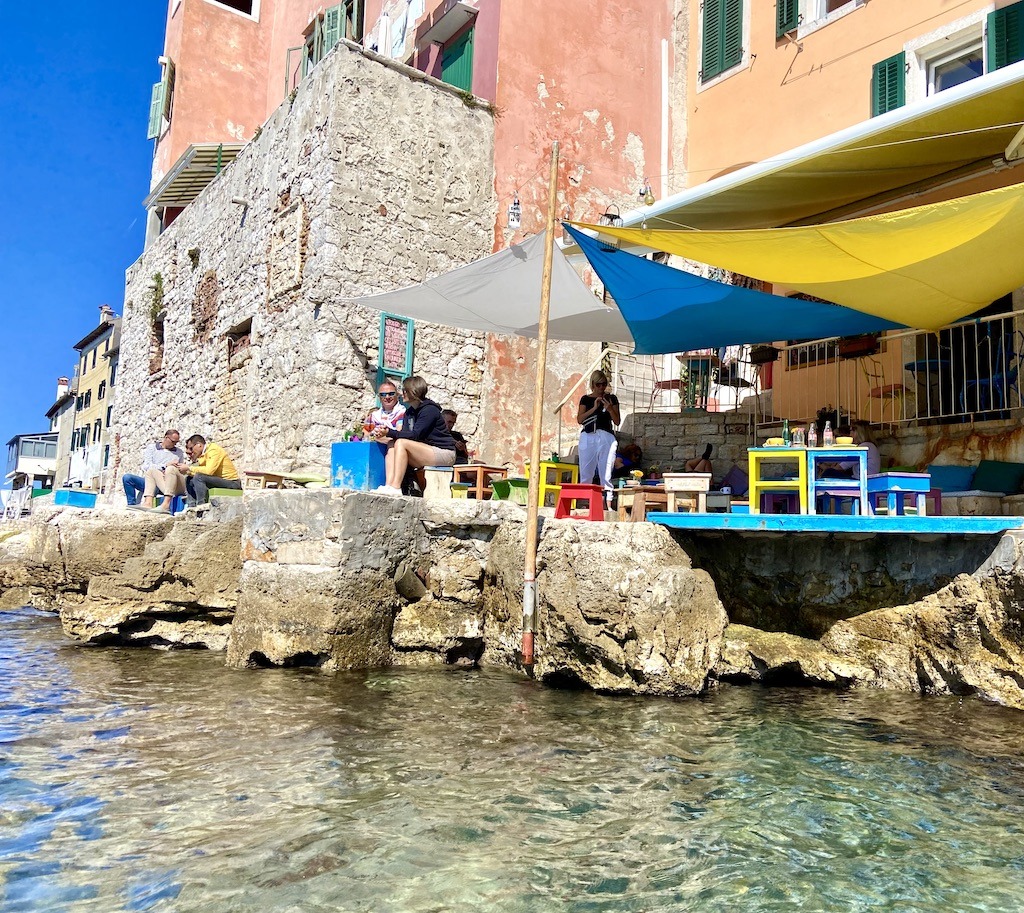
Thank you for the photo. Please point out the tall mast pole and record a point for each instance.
(530, 567)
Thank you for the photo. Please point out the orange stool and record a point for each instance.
(592, 494)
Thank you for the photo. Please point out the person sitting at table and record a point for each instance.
(847, 469)
(391, 412)
(701, 463)
(424, 439)
(461, 446)
(628, 458)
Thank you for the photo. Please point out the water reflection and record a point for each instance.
(134, 780)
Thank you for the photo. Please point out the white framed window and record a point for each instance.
(946, 57)
(248, 8)
(815, 14)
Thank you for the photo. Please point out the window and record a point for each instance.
(113, 372)
(110, 412)
(888, 86)
(79, 401)
(160, 101)
(1005, 30)
(457, 62)
(955, 67)
(722, 42)
(101, 391)
(74, 439)
(97, 430)
(343, 20)
(246, 7)
(94, 351)
(88, 399)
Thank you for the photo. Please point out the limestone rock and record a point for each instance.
(965, 639)
(621, 610)
(433, 630)
(782, 659)
(305, 615)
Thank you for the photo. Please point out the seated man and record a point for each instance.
(391, 413)
(450, 416)
(156, 456)
(211, 468)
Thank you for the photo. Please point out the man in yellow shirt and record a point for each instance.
(211, 468)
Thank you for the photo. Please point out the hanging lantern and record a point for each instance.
(612, 219)
(515, 212)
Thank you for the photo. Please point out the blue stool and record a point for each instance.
(177, 504)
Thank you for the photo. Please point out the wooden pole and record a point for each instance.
(533, 498)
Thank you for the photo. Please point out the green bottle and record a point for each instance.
(785, 432)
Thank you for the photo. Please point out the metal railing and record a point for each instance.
(964, 372)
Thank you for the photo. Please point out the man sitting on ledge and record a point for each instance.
(211, 468)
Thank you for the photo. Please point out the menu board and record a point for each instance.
(395, 344)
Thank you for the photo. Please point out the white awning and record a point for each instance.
(957, 133)
(501, 294)
(189, 176)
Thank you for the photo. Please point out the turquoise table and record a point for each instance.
(855, 489)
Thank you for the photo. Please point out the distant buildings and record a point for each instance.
(31, 460)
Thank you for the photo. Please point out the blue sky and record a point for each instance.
(75, 163)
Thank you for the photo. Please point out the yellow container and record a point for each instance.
(460, 490)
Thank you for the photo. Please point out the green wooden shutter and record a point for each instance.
(888, 84)
(786, 16)
(156, 111)
(711, 45)
(332, 26)
(457, 63)
(732, 34)
(1006, 36)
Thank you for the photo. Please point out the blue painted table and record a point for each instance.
(855, 489)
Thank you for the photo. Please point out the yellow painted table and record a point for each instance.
(758, 458)
(552, 477)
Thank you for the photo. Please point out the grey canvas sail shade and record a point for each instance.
(501, 294)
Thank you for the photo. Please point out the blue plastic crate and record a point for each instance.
(74, 497)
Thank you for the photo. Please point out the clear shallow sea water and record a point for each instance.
(135, 780)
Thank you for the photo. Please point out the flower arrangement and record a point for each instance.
(356, 433)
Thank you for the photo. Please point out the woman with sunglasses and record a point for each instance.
(598, 413)
(391, 411)
(423, 441)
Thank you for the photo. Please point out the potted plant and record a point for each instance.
(858, 346)
(763, 355)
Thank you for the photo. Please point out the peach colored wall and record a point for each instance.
(287, 20)
(797, 91)
(220, 95)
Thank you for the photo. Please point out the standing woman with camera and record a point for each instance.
(598, 413)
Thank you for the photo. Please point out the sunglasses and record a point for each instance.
(387, 395)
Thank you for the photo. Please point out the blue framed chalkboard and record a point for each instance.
(396, 348)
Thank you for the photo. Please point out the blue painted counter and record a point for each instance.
(838, 523)
(358, 465)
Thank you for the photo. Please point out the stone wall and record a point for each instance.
(367, 179)
(669, 439)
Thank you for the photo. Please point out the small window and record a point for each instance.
(94, 351)
(113, 373)
(51, 451)
(242, 6)
(88, 399)
(79, 401)
(101, 391)
(956, 67)
(1005, 36)
(97, 430)
(110, 411)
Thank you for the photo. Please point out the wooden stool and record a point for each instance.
(592, 494)
(633, 502)
(437, 483)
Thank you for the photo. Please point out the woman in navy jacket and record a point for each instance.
(423, 441)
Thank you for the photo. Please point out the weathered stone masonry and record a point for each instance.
(234, 325)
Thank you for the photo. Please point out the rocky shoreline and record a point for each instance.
(346, 580)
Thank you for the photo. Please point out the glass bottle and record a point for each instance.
(812, 435)
(827, 438)
(786, 439)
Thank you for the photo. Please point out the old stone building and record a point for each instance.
(366, 179)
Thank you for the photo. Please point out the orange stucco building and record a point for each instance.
(809, 111)
(597, 78)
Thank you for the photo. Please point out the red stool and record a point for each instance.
(592, 494)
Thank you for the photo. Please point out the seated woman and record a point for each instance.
(701, 463)
(423, 441)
